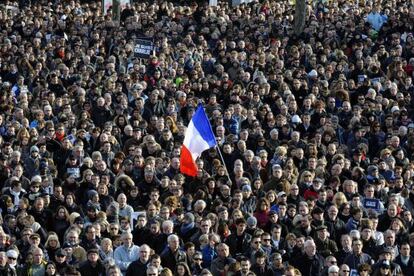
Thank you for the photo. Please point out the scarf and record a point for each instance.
(59, 136)
(185, 228)
(405, 259)
(16, 197)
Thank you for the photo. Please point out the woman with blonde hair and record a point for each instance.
(305, 180)
(52, 245)
(279, 156)
(166, 272)
(170, 123)
(72, 217)
(271, 197)
(339, 199)
(385, 154)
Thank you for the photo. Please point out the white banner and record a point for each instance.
(107, 4)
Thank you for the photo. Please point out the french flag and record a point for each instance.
(198, 138)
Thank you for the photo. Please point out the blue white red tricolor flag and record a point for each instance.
(198, 138)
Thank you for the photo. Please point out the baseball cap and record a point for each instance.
(61, 253)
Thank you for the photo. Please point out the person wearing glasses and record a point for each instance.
(197, 266)
(344, 270)
(329, 262)
(12, 256)
(5, 267)
(255, 246)
(384, 269)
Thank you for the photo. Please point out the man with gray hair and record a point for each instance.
(172, 254)
(220, 265)
(310, 260)
(127, 253)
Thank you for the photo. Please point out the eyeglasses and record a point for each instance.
(198, 259)
(346, 271)
(11, 258)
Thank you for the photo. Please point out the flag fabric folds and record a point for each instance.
(198, 138)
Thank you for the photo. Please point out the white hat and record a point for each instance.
(394, 109)
(296, 119)
(36, 178)
(313, 73)
(281, 194)
(12, 254)
(333, 269)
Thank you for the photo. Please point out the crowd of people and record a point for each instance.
(315, 129)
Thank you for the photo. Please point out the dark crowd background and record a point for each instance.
(316, 132)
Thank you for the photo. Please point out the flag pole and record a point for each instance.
(222, 160)
(217, 147)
